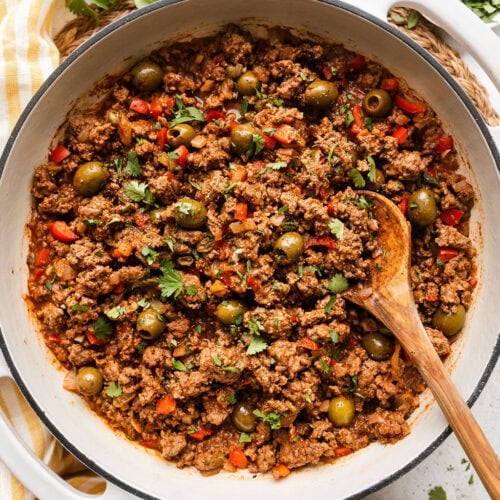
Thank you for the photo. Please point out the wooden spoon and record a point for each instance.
(388, 296)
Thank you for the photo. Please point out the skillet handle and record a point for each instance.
(36, 476)
(457, 20)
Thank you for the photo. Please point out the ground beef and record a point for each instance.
(203, 278)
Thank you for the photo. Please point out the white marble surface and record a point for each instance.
(447, 466)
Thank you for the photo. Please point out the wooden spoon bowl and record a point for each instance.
(387, 294)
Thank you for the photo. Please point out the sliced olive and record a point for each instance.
(377, 103)
(422, 209)
(233, 71)
(181, 134)
(156, 215)
(150, 324)
(289, 247)
(90, 178)
(449, 323)
(248, 83)
(243, 418)
(242, 138)
(89, 380)
(321, 94)
(341, 411)
(378, 346)
(146, 75)
(190, 214)
(230, 312)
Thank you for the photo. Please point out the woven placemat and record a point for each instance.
(424, 33)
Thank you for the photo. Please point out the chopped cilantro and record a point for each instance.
(103, 327)
(337, 228)
(150, 254)
(183, 114)
(357, 178)
(256, 146)
(115, 312)
(170, 282)
(191, 290)
(272, 418)
(283, 209)
(372, 173)
(114, 390)
(244, 107)
(51, 280)
(349, 118)
(338, 284)
(334, 335)
(245, 438)
(139, 191)
(324, 365)
(132, 168)
(232, 369)
(330, 303)
(216, 360)
(141, 347)
(179, 365)
(256, 345)
(79, 308)
(231, 399)
(331, 158)
(437, 493)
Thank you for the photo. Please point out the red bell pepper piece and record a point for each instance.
(400, 134)
(432, 172)
(94, 340)
(238, 175)
(238, 458)
(284, 134)
(330, 209)
(156, 108)
(166, 405)
(119, 288)
(214, 114)
(55, 339)
(307, 343)
(169, 106)
(473, 282)
(59, 154)
(403, 205)
(62, 232)
(280, 471)
(327, 73)
(430, 297)
(39, 272)
(42, 257)
(161, 138)
(342, 451)
(390, 84)
(452, 216)
(182, 152)
(200, 435)
(141, 219)
(446, 253)
(149, 443)
(317, 241)
(444, 144)
(358, 63)
(269, 142)
(254, 283)
(140, 106)
(357, 113)
(241, 211)
(409, 106)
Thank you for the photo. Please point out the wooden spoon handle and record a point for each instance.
(471, 437)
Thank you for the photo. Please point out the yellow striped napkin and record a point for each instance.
(27, 57)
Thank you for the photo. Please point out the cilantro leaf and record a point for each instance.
(256, 146)
(114, 390)
(139, 191)
(216, 360)
(150, 254)
(115, 312)
(231, 369)
(437, 493)
(337, 228)
(338, 284)
(179, 365)
(272, 418)
(183, 114)
(103, 328)
(330, 303)
(133, 168)
(372, 173)
(170, 282)
(79, 308)
(143, 3)
(245, 438)
(80, 8)
(334, 335)
(357, 178)
(349, 118)
(257, 345)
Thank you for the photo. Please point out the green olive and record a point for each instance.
(243, 417)
(230, 312)
(89, 380)
(248, 83)
(422, 209)
(289, 247)
(321, 94)
(378, 346)
(377, 103)
(181, 134)
(150, 324)
(449, 323)
(190, 214)
(146, 75)
(341, 411)
(156, 215)
(242, 137)
(90, 178)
